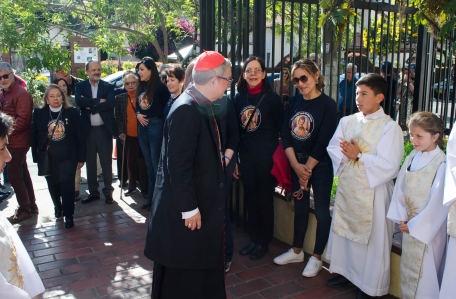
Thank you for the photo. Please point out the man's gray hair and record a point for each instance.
(5, 66)
(202, 77)
(353, 67)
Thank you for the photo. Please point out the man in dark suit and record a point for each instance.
(185, 232)
(97, 101)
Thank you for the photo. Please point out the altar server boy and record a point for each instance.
(366, 151)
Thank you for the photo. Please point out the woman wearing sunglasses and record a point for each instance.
(286, 89)
(309, 123)
(150, 118)
(259, 127)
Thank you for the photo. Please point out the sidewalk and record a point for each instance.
(102, 256)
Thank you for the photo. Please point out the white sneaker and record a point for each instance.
(289, 257)
(313, 267)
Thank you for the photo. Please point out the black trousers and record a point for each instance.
(259, 185)
(61, 185)
(99, 140)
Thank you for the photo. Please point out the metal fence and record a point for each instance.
(281, 32)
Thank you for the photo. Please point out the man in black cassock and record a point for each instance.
(185, 232)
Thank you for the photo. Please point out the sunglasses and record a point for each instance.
(6, 76)
(130, 83)
(285, 73)
(303, 79)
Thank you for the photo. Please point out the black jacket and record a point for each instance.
(190, 175)
(106, 110)
(75, 137)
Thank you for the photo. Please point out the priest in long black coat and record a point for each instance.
(185, 232)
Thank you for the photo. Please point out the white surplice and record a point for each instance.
(32, 281)
(429, 226)
(368, 267)
(448, 288)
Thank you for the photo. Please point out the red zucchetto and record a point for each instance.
(208, 61)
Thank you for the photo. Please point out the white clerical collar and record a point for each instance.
(56, 109)
(376, 114)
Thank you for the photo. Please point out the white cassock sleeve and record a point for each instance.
(338, 159)
(380, 167)
(428, 222)
(10, 291)
(450, 177)
(398, 208)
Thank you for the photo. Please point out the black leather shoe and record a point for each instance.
(247, 249)
(69, 222)
(337, 282)
(130, 192)
(109, 199)
(145, 206)
(362, 295)
(4, 195)
(90, 198)
(258, 252)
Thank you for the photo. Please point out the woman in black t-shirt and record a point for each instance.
(259, 141)
(309, 123)
(152, 96)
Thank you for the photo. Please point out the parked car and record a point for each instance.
(439, 90)
(115, 79)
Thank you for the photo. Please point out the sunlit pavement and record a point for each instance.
(102, 255)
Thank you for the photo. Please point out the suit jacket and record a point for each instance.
(190, 175)
(75, 137)
(106, 110)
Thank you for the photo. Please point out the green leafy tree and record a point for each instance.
(109, 24)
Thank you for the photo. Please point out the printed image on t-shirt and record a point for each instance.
(144, 102)
(246, 113)
(59, 132)
(301, 125)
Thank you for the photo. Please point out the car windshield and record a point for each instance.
(114, 76)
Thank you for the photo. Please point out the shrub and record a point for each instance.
(81, 73)
(127, 65)
(36, 85)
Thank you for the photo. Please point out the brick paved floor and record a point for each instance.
(101, 257)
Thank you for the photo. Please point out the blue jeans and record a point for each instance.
(150, 140)
(321, 183)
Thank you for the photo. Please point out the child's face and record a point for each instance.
(366, 101)
(422, 141)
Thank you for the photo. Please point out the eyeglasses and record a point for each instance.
(6, 76)
(229, 80)
(255, 71)
(303, 79)
(285, 73)
(130, 83)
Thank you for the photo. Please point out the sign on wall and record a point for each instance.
(84, 54)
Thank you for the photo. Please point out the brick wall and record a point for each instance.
(82, 42)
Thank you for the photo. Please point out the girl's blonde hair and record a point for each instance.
(430, 123)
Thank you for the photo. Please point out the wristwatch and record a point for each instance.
(359, 156)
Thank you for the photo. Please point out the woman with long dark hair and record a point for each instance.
(67, 150)
(310, 122)
(259, 127)
(152, 96)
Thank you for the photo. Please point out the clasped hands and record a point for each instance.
(304, 173)
(349, 149)
(403, 227)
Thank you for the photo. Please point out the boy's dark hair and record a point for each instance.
(6, 125)
(376, 82)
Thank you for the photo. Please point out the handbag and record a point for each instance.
(44, 165)
(251, 116)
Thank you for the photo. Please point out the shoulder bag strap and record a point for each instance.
(251, 116)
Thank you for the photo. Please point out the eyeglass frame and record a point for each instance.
(7, 76)
(255, 71)
(226, 79)
(130, 83)
(303, 79)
